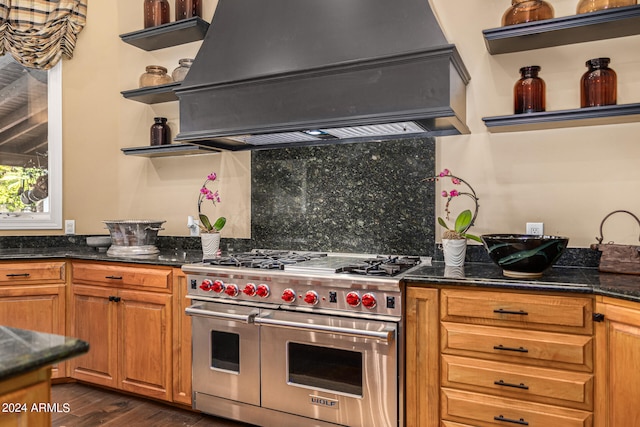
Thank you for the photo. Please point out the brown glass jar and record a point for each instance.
(599, 85)
(156, 12)
(526, 11)
(188, 9)
(529, 93)
(585, 6)
(160, 132)
(155, 75)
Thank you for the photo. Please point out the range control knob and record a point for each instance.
(353, 299)
(288, 295)
(231, 290)
(263, 290)
(311, 298)
(249, 289)
(369, 301)
(217, 286)
(206, 285)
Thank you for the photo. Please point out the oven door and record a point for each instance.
(334, 369)
(226, 346)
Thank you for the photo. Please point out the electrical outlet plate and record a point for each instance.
(535, 228)
(69, 226)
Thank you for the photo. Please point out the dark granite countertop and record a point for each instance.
(172, 258)
(22, 351)
(564, 279)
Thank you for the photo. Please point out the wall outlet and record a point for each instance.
(69, 226)
(535, 228)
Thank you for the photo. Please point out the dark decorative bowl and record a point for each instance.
(524, 255)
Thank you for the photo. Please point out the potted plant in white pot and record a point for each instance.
(454, 240)
(209, 233)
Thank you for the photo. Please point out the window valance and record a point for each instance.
(38, 32)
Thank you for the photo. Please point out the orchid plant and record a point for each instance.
(465, 219)
(214, 196)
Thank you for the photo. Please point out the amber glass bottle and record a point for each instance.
(585, 6)
(599, 85)
(188, 9)
(526, 11)
(529, 93)
(156, 12)
(160, 132)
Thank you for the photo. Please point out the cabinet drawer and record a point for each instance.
(550, 349)
(120, 274)
(32, 272)
(552, 386)
(482, 410)
(543, 312)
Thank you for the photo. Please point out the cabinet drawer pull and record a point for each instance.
(18, 275)
(521, 421)
(503, 348)
(503, 311)
(503, 384)
(113, 277)
(114, 298)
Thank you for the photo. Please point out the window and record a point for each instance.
(30, 146)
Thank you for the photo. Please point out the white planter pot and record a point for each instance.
(210, 245)
(455, 251)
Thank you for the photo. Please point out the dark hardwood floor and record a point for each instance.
(91, 406)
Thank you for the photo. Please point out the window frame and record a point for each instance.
(53, 218)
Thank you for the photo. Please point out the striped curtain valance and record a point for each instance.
(38, 32)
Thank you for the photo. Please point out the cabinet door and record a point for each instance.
(93, 319)
(145, 322)
(422, 358)
(618, 344)
(181, 340)
(37, 308)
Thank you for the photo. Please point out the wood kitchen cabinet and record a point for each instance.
(125, 313)
(181, 340)
(33, 296)
(422, 374)
(618, 344)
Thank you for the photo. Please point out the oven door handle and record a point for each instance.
(196, 310)
(386, 336)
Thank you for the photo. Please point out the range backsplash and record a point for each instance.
(366, 197)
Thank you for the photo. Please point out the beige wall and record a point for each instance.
(567, 178)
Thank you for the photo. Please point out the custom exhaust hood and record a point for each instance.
(282, 73)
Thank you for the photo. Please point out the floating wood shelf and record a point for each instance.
(153, 94)
(604, 24)
(167, 35)
(168, 150)
(610, 114)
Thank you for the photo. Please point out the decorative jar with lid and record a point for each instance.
(529, 93)
(599, 85)
(585, 6)
(181, 71)
(526, 11)
(155, 75)
(156, 12)
(160, 132)
(188, 9)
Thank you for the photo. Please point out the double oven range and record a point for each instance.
(285, 339)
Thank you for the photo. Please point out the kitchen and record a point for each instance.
(542, 176)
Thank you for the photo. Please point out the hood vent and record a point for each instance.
(279, 73)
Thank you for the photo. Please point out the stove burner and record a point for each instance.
(382, 266)
(270, 260)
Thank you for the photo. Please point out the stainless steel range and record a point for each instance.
(286, 339)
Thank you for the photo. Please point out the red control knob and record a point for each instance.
(288, 295)
(369, 301)
(353, 299)
(231, 290)
(217, 286)
(206, 285)
(263, 291)
(249, 289)
(311, 298)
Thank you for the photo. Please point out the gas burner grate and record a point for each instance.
(382, 266)
(264, 259)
